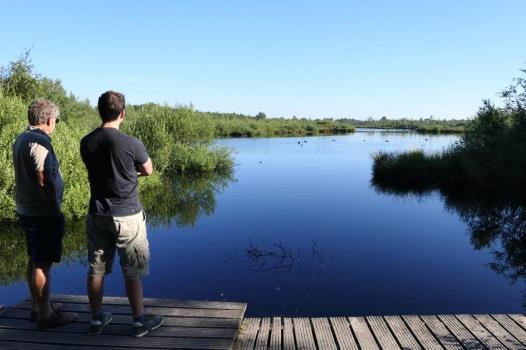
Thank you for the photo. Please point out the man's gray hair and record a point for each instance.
(40, 111)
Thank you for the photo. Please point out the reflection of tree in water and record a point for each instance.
(497, 223)
(181, 200)
(501, 225)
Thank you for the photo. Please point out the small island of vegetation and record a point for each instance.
(490, 156)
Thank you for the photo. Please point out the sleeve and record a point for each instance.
(141, 155)
(39, 154)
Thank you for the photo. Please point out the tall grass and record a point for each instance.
(178, 140)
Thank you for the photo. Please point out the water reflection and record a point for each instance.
(13, 253)
(278, 258)
(180, 200)
(496, 222)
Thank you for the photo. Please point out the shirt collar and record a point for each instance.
(37, 130)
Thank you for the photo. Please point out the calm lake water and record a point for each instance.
(300, 230)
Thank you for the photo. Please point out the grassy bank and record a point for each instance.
(422, 125)
(491, 154)
(239, 125)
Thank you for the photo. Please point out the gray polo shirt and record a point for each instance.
(33, 152)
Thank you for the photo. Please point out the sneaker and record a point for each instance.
(98, 324)
(149, 323)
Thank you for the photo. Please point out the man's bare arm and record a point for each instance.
(145, 169)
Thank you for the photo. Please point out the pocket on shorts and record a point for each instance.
(126, 231)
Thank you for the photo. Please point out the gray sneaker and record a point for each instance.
(97, 325)
(149, 323)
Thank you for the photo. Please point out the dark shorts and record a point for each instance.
(43, 237)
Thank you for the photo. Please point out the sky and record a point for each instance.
(313, 59)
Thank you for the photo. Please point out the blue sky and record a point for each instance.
(305, 58)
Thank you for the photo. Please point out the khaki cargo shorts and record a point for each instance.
(127, 235)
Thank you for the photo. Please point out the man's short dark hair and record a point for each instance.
(111, 104)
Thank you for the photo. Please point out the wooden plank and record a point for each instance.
(288, 334)
(193, 304)
(126, 320)
(421, 333)
(363, 334)
(120, 329)
(512, 327)
(465, 337)
(303, 333)
(520, 319)
(166, 311)
(482, 334)
(20, 345)
(498, 332)
(402, 333)
(275, 334)
(444, 336)
(14, 335)
(382, 333)
(247, 334)
(263, 334)
(343, 333)
(323, 333)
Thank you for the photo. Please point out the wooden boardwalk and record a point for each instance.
(188, 325)
(385, 332)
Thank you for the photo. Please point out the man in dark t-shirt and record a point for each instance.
(116, 220)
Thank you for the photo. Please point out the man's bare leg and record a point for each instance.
(95, 293)
(29, 279)
(134, 292)
(40, 279)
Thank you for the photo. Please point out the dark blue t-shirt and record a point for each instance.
(33, 152)
(112, 159)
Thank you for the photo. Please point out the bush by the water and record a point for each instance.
(490, 156)
(178, 140)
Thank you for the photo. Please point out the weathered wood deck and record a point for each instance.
(187, 325)
(388, 332)
(215, 325)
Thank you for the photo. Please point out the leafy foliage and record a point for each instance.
(177, 138)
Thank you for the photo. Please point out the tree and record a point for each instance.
(261, 115)
(18, 79)
(515, 94)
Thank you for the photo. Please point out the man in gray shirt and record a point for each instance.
(39, 191)
(116, 220)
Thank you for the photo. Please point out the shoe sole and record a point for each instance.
(101, 327)
(148, 331)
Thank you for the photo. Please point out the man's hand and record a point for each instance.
(145, 169)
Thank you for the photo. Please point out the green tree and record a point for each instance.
(18, 79)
